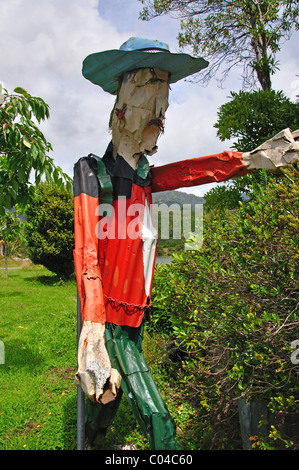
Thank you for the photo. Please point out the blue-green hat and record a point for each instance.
(105, 68)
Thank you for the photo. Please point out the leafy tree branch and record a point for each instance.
(244, 34)
(23, 148)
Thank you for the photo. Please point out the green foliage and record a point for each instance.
(222, 197)
(10, 229)
(251, 118)
(254, 117)
(49, 229)
(234, 307)
(10, 226)
(173, 199)
(23, 148)
(231, 34)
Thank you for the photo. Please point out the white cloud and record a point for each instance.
(43, 45)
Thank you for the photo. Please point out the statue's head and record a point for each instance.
(137, 118)
(139, 74)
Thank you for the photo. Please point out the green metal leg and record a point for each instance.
(124, 348)
(98, 419)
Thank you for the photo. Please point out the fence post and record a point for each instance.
(80, 393)
(251, 415)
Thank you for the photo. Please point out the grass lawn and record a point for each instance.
(38, 329)
(37, 391)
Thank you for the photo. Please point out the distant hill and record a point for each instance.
(176, 197)
(166, 247)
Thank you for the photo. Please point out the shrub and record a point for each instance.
(49, 229)
(234, 307)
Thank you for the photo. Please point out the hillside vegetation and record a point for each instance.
(172, 244)
(232, 308)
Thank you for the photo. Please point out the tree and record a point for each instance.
(242, 33)
(253, 117)
(10, 226)
(223, 197)
(23, 148)
(49, 229)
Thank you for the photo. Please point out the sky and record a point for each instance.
(43, 44)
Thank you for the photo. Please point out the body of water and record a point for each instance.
(163, 259)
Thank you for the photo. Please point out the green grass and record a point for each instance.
(38, 329)
(37, 391)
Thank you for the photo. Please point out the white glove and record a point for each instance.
(280, 151)
(94, 367)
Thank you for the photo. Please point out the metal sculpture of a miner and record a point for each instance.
(114, 262)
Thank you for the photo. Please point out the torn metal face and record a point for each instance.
(139, 112)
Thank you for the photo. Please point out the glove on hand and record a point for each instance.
(280, 151)
(94, 367)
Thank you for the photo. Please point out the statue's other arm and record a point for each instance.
(273, 154)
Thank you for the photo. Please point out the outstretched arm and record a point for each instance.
(275, 153)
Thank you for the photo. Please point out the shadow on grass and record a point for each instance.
(11, 294)
(18, 354)
(50, 279)
(70, 424)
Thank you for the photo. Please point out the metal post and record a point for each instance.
(251, 415)
(80, 393)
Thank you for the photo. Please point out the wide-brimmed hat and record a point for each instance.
(105, 68)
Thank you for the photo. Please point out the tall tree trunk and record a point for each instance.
(262, 67)
(6, 255)
(263, 74)
(260, 46)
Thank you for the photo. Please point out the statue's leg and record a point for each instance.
(124, 348)
(98, 418)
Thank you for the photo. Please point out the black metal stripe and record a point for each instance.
(85, 177)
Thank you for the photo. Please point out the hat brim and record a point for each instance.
(105, 68)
